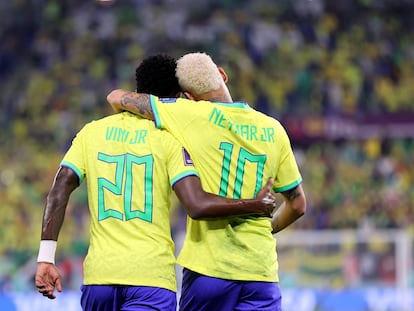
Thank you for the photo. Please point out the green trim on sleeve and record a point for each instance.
(157, 120)
(243, 105)
(288, 187)
(74, 168)
(183, 175)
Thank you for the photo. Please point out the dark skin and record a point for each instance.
(294, 205)
(197, 203)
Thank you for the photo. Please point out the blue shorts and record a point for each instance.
(203, 293)
(127, 298)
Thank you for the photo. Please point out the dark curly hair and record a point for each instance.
(156, 75)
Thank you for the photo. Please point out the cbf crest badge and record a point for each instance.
(187, 159)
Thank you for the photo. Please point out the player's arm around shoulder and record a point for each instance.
(203, 205)
(136, 103)
(290, 210)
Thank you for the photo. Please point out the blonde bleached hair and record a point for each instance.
(198, 74)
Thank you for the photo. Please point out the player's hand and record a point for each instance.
(114, 99)
(267, 198)
(48, 279)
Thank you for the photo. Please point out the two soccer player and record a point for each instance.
(229, 263)
(130, 167)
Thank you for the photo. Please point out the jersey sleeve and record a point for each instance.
(179, 162)
(168, 112)
(154, 105)
(288, 175)
(74, 157)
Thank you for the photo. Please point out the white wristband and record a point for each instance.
(47, 251)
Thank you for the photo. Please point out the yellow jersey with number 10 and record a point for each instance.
(235, 149)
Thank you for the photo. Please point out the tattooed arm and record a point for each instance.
(290, 210)
(136, 103)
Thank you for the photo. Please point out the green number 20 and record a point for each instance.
(243, 156)
(123, 186)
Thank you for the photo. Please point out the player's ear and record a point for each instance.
(189, 95)
(223, 74)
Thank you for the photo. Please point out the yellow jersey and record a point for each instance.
(235, 149)
(130, 167)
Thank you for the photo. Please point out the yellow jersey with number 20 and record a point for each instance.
(130, 167)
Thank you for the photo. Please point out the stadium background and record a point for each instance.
(339, 74)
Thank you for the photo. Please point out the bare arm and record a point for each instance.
(65, 182)
(290, 210)
(47, 277)
(200, 205)
(136, 103)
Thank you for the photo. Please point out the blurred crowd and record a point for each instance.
(60, 58)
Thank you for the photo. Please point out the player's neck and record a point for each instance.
(221, 95)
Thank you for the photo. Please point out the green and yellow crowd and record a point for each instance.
(296, 59)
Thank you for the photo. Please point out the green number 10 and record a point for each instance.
(243, 156)
(124, 164)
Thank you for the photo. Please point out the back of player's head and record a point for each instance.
(156, 75)
(198, 74)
